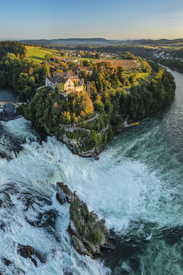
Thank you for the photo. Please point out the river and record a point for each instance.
(136, 186)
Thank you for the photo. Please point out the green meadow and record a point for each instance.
(38, 53)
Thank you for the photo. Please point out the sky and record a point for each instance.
(110, 19)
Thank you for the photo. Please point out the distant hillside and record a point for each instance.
(158, 42)
(69, 41)
(100, 42)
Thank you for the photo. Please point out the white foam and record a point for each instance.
(118, 188)
(20, 128)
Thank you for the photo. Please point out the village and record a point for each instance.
(67, 72)
(164, 54)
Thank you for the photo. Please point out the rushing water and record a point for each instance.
(136, 186)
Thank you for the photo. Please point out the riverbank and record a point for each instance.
(8, 94)
(173, 64)
(135, 187)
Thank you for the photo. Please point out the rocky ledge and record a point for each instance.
(86, 229)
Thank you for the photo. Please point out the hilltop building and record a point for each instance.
(67, 81)
(67, 74)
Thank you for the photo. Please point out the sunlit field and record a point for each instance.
(38, 53)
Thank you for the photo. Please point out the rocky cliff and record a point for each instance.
(87, 230)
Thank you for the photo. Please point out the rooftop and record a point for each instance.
(58, 79)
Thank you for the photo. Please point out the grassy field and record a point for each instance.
(38, 53)
(127, 64)
(80, 58)
(141, 78)
(144, 77)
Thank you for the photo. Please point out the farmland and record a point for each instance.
(127, 64)
(38, 53)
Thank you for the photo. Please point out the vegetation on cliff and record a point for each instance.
(50, 109)
(87, 224)
(177, 64)
(86, 229)
(12, 47)
(22, 74)
(114, 94)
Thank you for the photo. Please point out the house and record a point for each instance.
(60, 74)
(71, 60)
(52, 82)
(87, 68)
(59, 58)
(68, 83)
(72, 74)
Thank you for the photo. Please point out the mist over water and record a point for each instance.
(136, 186)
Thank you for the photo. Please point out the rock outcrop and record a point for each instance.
(79, 246)
(63, 193)
(1, 203)
(26, 251)
(15, 269)
(86, 229)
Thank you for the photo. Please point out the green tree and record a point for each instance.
(45, 70)
(60, 88)
(83, 74)
(94, 137)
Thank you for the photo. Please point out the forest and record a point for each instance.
(49, 109)
(114, 92)
(176, 64)
(20, 73)
(17, 48)
(144, 52)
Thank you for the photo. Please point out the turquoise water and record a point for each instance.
(136, 186)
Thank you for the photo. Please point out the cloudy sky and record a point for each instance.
(110, 19)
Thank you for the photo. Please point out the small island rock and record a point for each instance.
(86, 229)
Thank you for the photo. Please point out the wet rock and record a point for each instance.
(46, 219)
(86, 229)
(60, 199)
(91, 247)
(14, 268)
(63, 193)
(34, 261)
(5, 200)
(6, 261)
(1, 203)
(73, 229)
(11, 188)
(25, 251)
(9, 108)
(66, 273)
(80, 248)
(41, 256)
(28, 200)
(2, 225)
(94, 248)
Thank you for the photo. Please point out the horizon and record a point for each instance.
(67, 38)
(119, 21)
